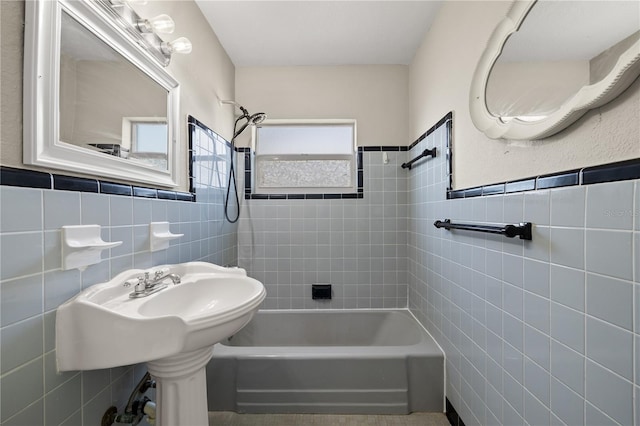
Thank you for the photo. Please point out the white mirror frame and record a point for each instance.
(625, 71)
(42, 145)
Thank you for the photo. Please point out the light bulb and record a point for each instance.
(179, 45)
(159, 24)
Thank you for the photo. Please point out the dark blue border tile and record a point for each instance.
(332, 196)
(473, 192)
(184, 196)
(259, 197)
(139, 191)
(295, 196)
(558, 180)
(313, 196)
(72, 183)
(520, 185)
(166, 195)
(460, 193)
(493, 189)
(623, 170)
(113, 188)
(443, 120)
(10, 176)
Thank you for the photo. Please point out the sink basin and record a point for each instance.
(103, 327)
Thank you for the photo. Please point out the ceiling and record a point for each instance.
(307, 32)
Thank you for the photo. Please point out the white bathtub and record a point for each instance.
(340, 361)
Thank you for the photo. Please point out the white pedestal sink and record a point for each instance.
(173, 331)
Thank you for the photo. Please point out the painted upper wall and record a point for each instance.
(375, 95)
(439, 81)
(205, 75)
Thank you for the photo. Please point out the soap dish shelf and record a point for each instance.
(82, 246)
(160, 236)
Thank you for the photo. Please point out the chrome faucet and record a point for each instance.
(147, 285)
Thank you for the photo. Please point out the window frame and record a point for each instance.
(352, 157)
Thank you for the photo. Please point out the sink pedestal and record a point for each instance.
(181, 388)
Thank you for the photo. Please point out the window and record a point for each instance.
(310, 156)
(145, 140)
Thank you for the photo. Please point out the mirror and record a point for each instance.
(95, 101)
(549, 62)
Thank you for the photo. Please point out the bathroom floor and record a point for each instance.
(225, 418)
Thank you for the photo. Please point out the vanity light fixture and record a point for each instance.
(179, 45)
(159, 24)
(145, 31)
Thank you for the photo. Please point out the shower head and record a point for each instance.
(254, 119)
(257, 118)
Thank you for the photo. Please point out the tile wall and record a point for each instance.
(32, 285)
(357, 245)
(535, 332)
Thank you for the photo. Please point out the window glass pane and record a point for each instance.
(305, 139)
(150, 137)
(305, 174)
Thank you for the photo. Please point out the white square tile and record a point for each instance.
(21, 343)
(566, 404)
(21, 254)
(610, 253)
(61, 208)
(20, 299)
(537, 207)
(20, 209)
(610, 346)
(610, 393)
(567, 326)
(567, 247)
(536, 277)
(567, 366)
(537, 381)
(610, 300)
(610, 205)
(567, 286)
(567, 206)
(536, 312)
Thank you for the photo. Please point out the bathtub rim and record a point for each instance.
(297, 352)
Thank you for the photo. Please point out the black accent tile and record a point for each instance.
(139, 191)
(313, 196)
(114, 188)
(247, 163)
(558, 180)
(433, 128)
(259, 197)
(360, 164)
(247, 196)
(247, 180)
(473, 192)
(404, 148)
(277, 196)
(520, 185)
(360, 195)
(460, 193)
(360, 179)
(72, 183)
(493, 189)
(295, 196)
(184, 196)
(166, 195)
(390, 148)
(612, 172)
(332, 196)
(372, 148)
(10, 176)
(452, 414)
(360, 148)
(349, 196)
